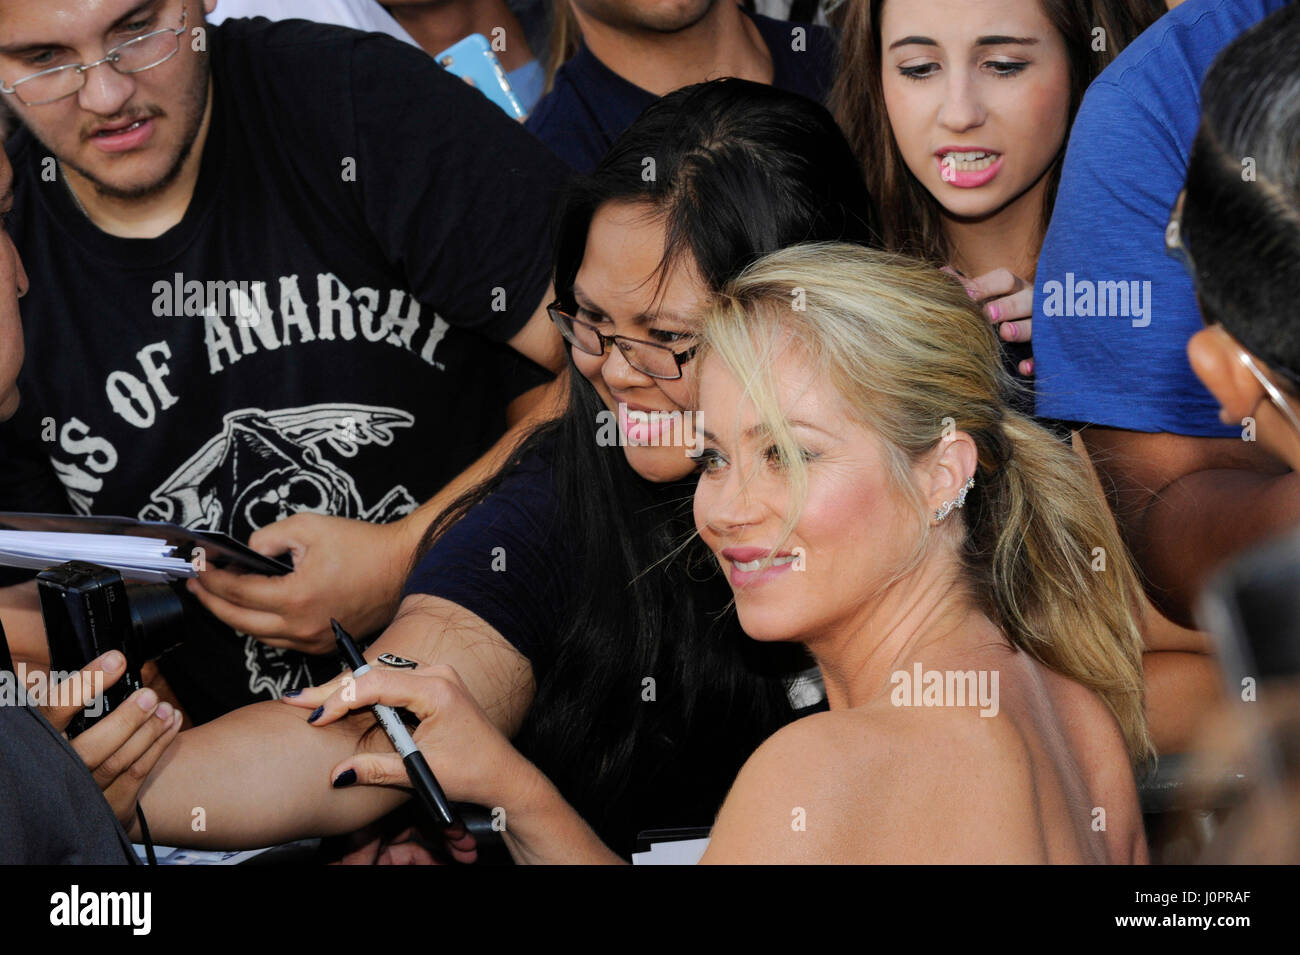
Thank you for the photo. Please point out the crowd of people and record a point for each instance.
(825, 430)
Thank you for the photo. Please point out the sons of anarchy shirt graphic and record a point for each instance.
(323, 331)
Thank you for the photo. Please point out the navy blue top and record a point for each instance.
(512, 562)
(1112, 312)
(591, 105)
(504, 562)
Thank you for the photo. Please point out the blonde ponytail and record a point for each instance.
(914, 359)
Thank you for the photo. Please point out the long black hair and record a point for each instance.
(1241, 216)
(736, 170)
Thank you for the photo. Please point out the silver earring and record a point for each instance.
(960, 501)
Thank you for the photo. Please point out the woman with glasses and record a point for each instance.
(870, 495)
(565, 591)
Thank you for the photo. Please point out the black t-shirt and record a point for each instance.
(590, 105)
(321, 332)
(511, 561)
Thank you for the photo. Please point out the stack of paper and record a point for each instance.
(139, 558)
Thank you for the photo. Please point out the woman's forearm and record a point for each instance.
(259, 776)
(543, 829)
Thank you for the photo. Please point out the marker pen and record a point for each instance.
(417, 769)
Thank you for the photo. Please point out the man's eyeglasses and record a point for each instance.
(1177, 248)
(133, 56)
(657, 361)
(1174, 246)
(1274, 393)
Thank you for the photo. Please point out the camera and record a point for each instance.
(89, 610)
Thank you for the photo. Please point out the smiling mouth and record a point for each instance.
(976, 160)
(749, 566)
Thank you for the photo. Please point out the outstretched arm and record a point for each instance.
(261, 775)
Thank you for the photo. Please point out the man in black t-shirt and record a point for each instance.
(632, 52)
(285, 280)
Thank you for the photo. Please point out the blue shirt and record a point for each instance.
(1112, 312)
(590, 105)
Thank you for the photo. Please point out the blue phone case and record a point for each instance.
(472, 59)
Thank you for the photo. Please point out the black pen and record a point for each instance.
(417, 769)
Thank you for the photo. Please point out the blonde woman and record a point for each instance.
(870, 495)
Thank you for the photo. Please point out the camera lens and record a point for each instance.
(156, 617)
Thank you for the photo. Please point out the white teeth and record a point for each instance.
(749, 566)
(973, 161)
(119, 132)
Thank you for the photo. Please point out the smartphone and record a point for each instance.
(472, 60)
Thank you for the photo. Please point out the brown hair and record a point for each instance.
(563, 40)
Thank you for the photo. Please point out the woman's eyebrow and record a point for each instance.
(586, 303)
(584, 300)
(1006, 41)
(993, 40)
(910, 40)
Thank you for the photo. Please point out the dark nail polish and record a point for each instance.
(345, 778)
(315, 714)
(293, 693)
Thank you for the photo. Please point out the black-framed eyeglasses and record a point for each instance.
(649, 358)
(133, 56)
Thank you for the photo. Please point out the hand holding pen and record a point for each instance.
(475, 761)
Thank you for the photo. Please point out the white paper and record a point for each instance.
(140, 558)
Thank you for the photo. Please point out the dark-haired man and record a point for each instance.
(276, 268)
(632, 52)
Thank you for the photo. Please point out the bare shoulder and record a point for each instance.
(880, 784)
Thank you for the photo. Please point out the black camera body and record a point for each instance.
(89, 610)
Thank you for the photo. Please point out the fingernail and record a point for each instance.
(113, 661)
(315, 714)
(994, 312)
(147, 700)
(1012, 332)
(345, 778)
(164, 711)
(292, 693)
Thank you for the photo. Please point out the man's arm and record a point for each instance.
(293, 612)
(1185, 505)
